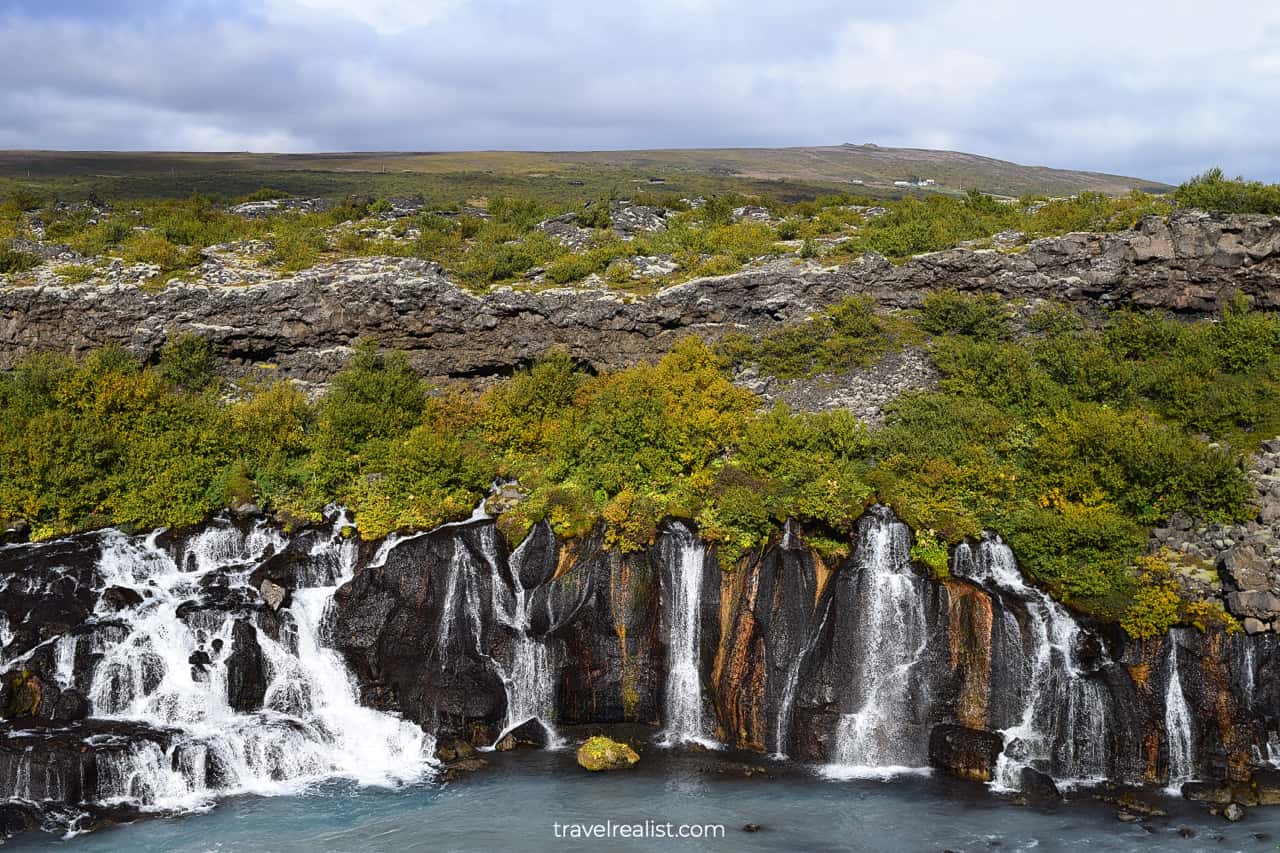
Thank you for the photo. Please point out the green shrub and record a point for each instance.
(76, 273)
(595, 215)
(1156, 602)
(522, 213)
(264, 194)
(718, 210)
(848, 334)
(186, 361)
(976, 315)
(13, 261)
(492, 259)
(1213, 191)
(298, 241)
(932, 553)
(148, 247)
(101, 237)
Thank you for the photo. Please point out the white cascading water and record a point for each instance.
(1062, 725)
(682, 710)
(1272, 750)
(782, 723)
(311, 727)
(877, 739)
(64, 657)
(6, 635)
(461, 599)
(1177, 724)
(530, 681)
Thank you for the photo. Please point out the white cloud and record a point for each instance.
(386, 17)
(1152, 87)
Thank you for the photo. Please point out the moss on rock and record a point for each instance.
(601, 753)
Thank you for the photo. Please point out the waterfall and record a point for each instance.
(883, 735)
(164, 662)
(1248, 676)
(461, 599)
(682, 711)
(782, 724)
(530, 681)
(6, 635)
(1177, 723)
(1061, 727)
(64, 657)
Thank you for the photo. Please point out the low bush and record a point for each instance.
(1215, 192)
(14, 261)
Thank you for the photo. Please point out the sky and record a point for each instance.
(1160, 90)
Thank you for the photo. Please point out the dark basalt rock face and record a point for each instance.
(46, 590)
(617, 670)
(1188, 264)
(428, 625)
(784, 636)
(246, 670)
(967, 753)
(778, 608)
(70, 765)
(405, 629)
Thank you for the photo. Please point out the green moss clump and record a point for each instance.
(600, 753)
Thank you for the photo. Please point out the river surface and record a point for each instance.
(515, 803)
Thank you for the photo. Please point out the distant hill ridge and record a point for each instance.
(789, 172)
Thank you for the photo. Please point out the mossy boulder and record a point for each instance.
(601, 753)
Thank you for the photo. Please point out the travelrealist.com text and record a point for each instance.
(644, 829)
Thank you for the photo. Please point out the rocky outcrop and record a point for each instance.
(863, 391)
(1238, 563)
(303, 325)
(615, 637)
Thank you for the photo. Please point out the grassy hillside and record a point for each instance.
(785, 173)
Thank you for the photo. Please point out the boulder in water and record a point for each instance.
(246, 671)
(1037, 787)
(455, 750)
(601, 753)
(532, 732)
(1262, 790)
(464, 765)
(121, 597)
(1233, 812)
(964, 752)
(1266, 786)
